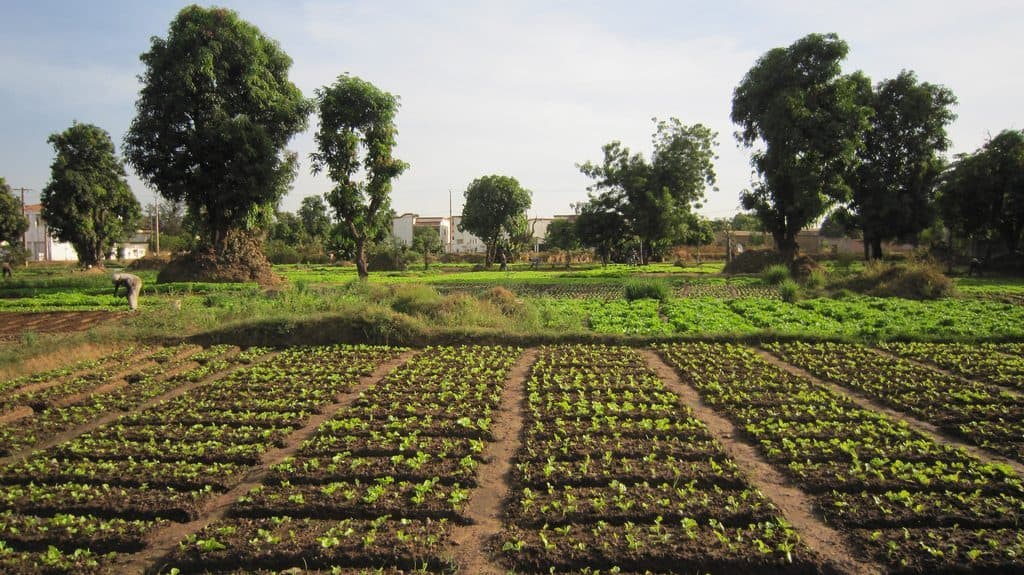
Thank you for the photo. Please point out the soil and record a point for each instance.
(240, 260)
(165, 540)
(14, 324)
(795, 505)
(928, 430)
(470, 544)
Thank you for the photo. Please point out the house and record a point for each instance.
(456, 241)
(135, 247)
(39, 244)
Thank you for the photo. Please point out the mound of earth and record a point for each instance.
(241, 260)
(150, 262)
(755, 262)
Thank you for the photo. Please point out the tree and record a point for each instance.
(495, 208)
(899, 167)
(315, 220)
(212, 121)
(426, 241)
(807, 122)
(87, 202)
(561, 235)
(599, 225)
(287, 228)
(357, 117)
(982, 196)
(748, 222)
(13, 223)
(700, 233)
(657, 198)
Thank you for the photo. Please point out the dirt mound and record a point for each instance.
(150, 262)
(241, 260)
(911, 281)
(753, 262)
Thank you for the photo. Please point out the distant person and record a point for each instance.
(503, 259)
(132, 284)
(976, 265)
(8, 272)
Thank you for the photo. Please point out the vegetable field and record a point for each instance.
(682, 458)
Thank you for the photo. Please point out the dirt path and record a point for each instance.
(164, 540)
(13, 324)
(936, 367)
(470, 543)
(796, 506)
(114, 416)
(930, 431)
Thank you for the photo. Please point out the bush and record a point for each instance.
(647, 289)
(775, 274)
(816, 280)
(415, 299)
(789, 290)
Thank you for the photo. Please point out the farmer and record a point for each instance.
(503, 258)
(975, 268)
(132, 284)
(7, 270)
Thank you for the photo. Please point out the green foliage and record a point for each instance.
(816, 279)
(908, 281)
(88, 202)
(357, 118)
(495, 207)
(806, 122)
(982, 196)
(655, 199)
(561, 235)
(213, 118)
(899, 166)
(775, 274)
(600, 226)
(13, 223)
(315, 220)
(647, 288)
(426, 241)
(789, 290)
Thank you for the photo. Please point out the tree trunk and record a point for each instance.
(488, 255)
(786, 242)
(876, 248)
(361, 268)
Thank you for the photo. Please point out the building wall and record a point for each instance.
(41, 247)
(401, 228)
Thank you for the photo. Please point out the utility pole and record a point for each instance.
(156, 214)
(451, 232)
(24, 237)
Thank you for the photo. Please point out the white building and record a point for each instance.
(459, 242)
(40, 245)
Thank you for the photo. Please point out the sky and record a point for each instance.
(526, 88)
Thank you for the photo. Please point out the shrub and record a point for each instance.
(789, 290)
(816, 280)
(415, 299)
(503, 299)
(913, 281)
(647, 289)
(775, 274)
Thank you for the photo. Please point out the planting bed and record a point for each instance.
(979, 413)
(907, 502)
(999, 364)
(81, 504)
(379, 485)
(614, 474)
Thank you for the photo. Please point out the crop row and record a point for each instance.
(81, 368)
(614, 473)
(980, 413)
(908, 502)
(115, 485)
(998, 364)
(58, 408)
(380, 484)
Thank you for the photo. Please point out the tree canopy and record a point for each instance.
(315, 219)
(495, 208)
(358, 118)
(13, 223)
(899, 165)
(805, 121)
(982, 196)
(600, 226)
(656, 198)
(426, 241)
(214, 115)
(87, 202)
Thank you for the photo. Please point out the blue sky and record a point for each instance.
(527, 89)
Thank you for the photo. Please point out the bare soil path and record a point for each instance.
(795, 505)
(114, 416)
(164, 540)
(470, 544)
(923, 427)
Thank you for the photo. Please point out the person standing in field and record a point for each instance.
(8, 272)
(132, 284)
